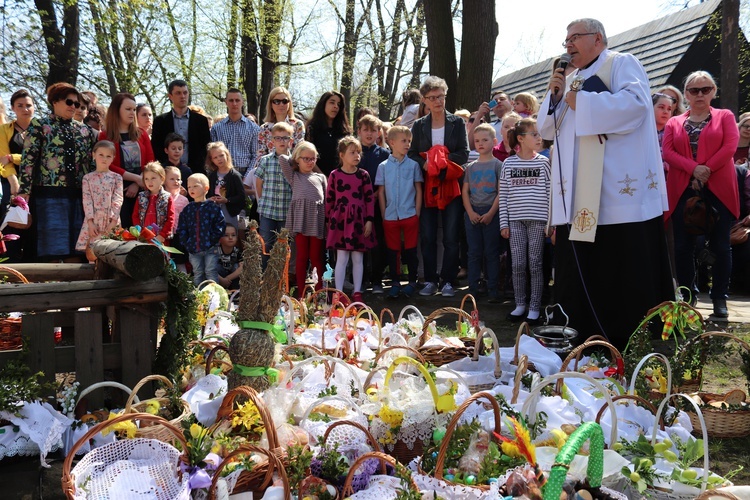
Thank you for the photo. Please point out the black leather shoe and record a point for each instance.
(514, 318)
(534, 322)
(720, 308)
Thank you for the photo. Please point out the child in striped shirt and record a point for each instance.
(524, 191)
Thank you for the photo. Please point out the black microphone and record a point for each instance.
(564, 61)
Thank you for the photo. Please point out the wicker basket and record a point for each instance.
(262, 473)
(441, 355)
(10, 328)
(653, 395)
(175, 434)
(721, 423)
(489, 398)
(370, 440)
(156, 431)
(211, 359)
(524, 328)
(259, 477)
(475, 357)
(410, 351)
(348, 491)
(629, 397)
(575, 355)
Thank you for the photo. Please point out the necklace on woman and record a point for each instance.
(21, 131)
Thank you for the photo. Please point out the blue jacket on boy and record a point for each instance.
(201, 226)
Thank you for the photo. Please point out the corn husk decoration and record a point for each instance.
(252, 347)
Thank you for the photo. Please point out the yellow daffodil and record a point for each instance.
(390, 416)
(197, 431)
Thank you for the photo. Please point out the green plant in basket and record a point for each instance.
(18, 385)
(300, 458)
(405, 492)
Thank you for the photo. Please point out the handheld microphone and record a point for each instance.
(564, 61)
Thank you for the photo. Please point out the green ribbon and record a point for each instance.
(587, 431)
(276, 330)
(257, 371)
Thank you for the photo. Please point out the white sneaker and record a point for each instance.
(448, 290)
(429, 289)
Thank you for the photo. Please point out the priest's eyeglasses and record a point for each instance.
(574, 38)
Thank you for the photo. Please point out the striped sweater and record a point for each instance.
(524, 190)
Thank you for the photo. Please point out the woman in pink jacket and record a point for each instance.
(699, 146)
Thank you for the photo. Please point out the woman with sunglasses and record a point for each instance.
(133, 149)
(278, 109)
(699, 146)
(57, 154)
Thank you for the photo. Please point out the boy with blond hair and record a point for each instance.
(200, 228)
(399, 180)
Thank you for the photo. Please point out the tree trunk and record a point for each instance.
(730, 51)
(62, 50)
(478, 34)
(232, 45)
(249, 63)
(140, 261)
(269, 48)
(441, 46)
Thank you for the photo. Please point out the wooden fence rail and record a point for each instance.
(116, 332)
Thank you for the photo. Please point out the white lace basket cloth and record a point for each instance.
(129, 468)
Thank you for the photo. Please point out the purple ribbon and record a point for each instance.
(198, 478)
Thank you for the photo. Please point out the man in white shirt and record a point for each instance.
(608, 190)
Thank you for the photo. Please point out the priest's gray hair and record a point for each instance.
(591, 26)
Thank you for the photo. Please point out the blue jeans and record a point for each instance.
(718, 243)
(428, 226)
(205, 265)
(484, 248)
(268, 229)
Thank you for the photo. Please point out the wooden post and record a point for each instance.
(137, 348)
(89, 353)
(140, 261)
(53, 272)
(39, 331)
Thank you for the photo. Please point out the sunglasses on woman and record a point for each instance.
(71, 102)
(701, 90)
(280, 101)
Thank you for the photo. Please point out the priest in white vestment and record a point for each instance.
(608, 189)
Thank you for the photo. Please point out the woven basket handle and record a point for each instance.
(348, 491)
(227, 407)
(373, 319)
(274, 464)
(99, 385)
(376, 369)
(588, 431)
(212, 354)
(708, 494)
(629, 397)
(529, 406)
(410, 307)
(642, 363)
(141, 383)
(495, 344)
(438, 313)
(68, 483)
(454, 422)
(422, 370)
(576, 354)
(370, 438)
(318, 402)
(523, 365)
(659, 413)
(387, 311)
(524, 328)
(12, 272)
(413, 351)
(290, 324)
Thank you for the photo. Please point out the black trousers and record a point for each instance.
(606, 287)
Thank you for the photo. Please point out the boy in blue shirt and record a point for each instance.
(399, 180)
(200, 228)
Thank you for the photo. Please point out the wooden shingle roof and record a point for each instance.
(659, 45)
